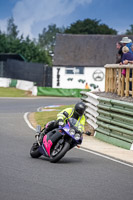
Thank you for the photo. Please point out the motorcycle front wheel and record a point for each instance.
(59, 152)
(34, 152)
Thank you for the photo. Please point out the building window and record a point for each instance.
(69, 70)
(74, 70)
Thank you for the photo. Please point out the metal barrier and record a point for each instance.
(111, 119)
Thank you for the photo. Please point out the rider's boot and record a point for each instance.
(41, 136)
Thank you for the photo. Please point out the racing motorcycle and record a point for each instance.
(68, 137)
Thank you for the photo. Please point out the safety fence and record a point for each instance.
(111, 119)
(119, 79)
(59, 92)
(38, 73)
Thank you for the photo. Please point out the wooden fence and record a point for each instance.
(116, 82)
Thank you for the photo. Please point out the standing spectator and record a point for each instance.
(127, 42)
(119, 53)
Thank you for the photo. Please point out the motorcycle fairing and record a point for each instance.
(45, 147)
(48, 140)
(47, 144)
(66, 128)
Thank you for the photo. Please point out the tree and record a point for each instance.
(33, 52)
(12, 28)
(89, 26)
(129, 31)
(47, 38)
(3, 43)
(25, 47)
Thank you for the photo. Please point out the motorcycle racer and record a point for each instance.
(60, 135)
(77, 112)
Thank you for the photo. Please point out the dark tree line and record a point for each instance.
(41, 50)
(10, 42)
(89, 26)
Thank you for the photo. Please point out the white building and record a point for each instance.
(80, 59)
(77, 77)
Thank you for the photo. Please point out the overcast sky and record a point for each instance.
(31, 16)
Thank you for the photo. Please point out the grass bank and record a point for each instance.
(13, 92)
(42, 118)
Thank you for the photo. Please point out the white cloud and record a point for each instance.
(3, 25)
(28, 12)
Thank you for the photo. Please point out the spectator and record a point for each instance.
(120, 53)
(126, 58)
(127, 55)
(132, 48)
(129, 61)
(127, 42)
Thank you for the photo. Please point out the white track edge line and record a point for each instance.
(107, 157)
(27, 121)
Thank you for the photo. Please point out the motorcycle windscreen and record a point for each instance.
(76, 123)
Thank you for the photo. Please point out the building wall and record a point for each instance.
(94, 76)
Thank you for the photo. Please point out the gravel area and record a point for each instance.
(114, 96)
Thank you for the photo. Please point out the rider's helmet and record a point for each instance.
(79, 109)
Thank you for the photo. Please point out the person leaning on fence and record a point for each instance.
(132, 48)
(127, 42)
(126, 58)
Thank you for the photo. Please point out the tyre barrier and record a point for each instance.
(111, 119)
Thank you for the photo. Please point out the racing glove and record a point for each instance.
(60, 122)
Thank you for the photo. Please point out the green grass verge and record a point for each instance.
(13, 92)
(43, 118)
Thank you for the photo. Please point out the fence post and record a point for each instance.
(106, 80)
(127, 82)
(119, 81)
(112, 80)
(115, 80)
(122, 86)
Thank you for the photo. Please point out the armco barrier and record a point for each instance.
(111, 119)
(60, 92)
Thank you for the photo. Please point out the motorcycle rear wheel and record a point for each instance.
(54, 159)
(34, 152)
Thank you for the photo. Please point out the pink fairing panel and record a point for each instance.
(47, 144)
